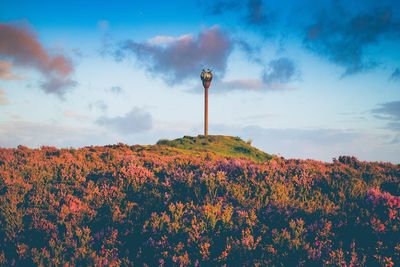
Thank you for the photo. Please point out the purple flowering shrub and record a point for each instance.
(121, 205)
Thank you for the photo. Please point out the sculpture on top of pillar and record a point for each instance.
(206, 77)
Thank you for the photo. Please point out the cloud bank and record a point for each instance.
(343, 38)
(343, 32)
(20, 47)
(179, 59)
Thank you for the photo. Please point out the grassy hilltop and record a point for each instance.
(226, 146)
(194, 201)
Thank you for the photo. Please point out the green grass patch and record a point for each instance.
(227, 146)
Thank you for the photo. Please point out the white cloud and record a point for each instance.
(176, 60)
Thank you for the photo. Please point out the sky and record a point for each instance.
(300, 79)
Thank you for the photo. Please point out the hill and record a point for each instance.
(226, 146)
(194, 201)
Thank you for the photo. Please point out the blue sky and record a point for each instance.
(301, 79)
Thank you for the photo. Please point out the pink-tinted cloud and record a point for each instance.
(3, 99)
(177, 59)
(76, 116)
(21, 47)
(6, 72)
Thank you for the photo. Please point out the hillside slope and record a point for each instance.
(185, 203)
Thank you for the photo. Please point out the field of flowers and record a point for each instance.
(126, 205)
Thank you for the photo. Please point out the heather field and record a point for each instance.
(126, 205)
(290, 117)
